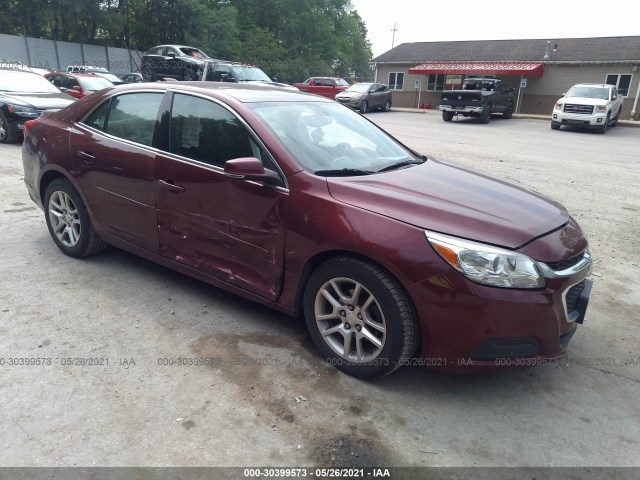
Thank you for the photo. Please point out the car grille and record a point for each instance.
(572, 296)
(343, 100)
(582, 109)
(564, 264)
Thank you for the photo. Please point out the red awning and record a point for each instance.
(485, 68)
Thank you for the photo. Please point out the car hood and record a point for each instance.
(345, 94)
(584, 100)
(452, 199)
(41, 101)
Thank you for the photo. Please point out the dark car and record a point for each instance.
(173, 61)
(480, 98)
(24, 96)
(296, 202)
(132, 77)
(78, 85)
(366, 96)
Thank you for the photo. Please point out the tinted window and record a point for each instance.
(328, 83)
(133, 116)
(204, 131)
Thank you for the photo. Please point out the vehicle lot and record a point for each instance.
(267, 398)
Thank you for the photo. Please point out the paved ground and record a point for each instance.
(584, 411)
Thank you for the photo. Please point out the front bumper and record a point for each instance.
(460, 109)
(466, 325)
(350, 102)
(596, 120)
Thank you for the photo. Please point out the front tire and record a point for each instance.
(485, 116)
(555, 126)
(146, 73)
(69, 222)
(617, 119)
(189, 75)
(447, 116)
(7, 134)
(360, 318)
(364, 108)
(605, 127)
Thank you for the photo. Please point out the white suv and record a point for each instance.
(588, 105)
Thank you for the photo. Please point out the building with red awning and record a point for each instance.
(538, 70)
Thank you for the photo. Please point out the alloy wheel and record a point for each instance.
(64, 218)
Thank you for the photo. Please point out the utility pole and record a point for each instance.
(393, 40)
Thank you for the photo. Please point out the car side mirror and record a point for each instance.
(250, 168)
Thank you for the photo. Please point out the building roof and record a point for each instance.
(566, 50)
(481, 68)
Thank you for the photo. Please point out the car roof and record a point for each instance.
(604, 85)
(244, 93)
(75, 74)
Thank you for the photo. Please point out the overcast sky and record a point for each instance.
(429, 21)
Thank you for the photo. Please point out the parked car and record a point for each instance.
(324, 86)
(480, 98)
(132, 77)
(235, 72)
(78, 85)
(103, 72)
(366, 96)
(24, 96)
(588, 105)
(316, 212)
(180, 62)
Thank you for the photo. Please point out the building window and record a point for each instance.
(435, 82)
(396, 80)
(620, 80)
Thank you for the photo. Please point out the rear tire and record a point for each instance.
(447, 116)
(69, 222)
(189, 75)
(387, 106)
(360, 318)
(508, 113)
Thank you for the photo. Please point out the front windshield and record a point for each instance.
(359, 88)
(247, 74)
(15, 81)
(589, 92)
(94, 84)
(342, 82)
(328, 136)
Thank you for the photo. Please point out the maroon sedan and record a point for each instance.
(299, 203)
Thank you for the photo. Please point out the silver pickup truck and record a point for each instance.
(588, 105)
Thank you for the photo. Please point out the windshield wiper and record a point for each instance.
(342, 172)
(404, 163)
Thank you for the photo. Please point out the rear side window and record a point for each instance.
(205, 131)
(98, 117)
(133, 116)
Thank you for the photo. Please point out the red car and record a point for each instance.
(323, 86)
(78, 85)
(299, 203)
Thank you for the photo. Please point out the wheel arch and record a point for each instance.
(48, 177)
(321, 257)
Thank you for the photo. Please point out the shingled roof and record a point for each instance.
(567, 50)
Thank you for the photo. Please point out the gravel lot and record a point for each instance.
(295, 411)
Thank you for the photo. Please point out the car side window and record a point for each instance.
(203, 130)
(133, 116)
(327, 82)
(317, 82)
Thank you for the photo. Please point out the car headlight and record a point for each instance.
(22, 110)
(601, 108)
(558, 106)
(487, 265)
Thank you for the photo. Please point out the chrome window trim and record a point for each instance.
(253, 134)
